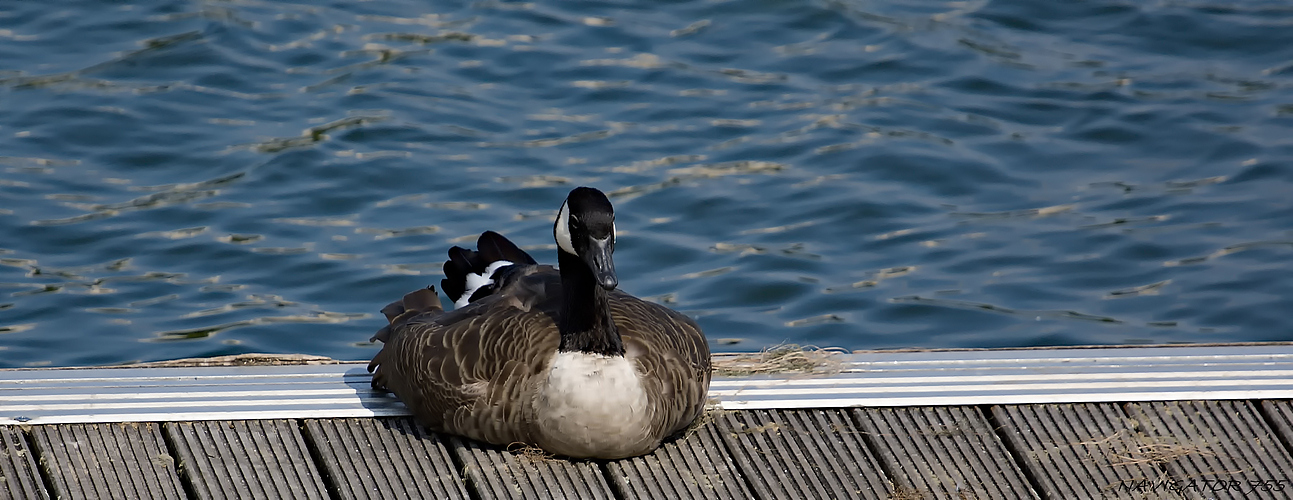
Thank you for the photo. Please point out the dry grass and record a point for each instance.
(532, 453)
(254, 359)
(945, 430)
(711, 414)
(1157, 454)
(901, 492)
(785, 358)
(1117, 449)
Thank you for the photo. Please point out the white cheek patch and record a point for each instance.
(562, 230)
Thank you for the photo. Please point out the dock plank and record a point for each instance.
(19, 478)
(943, 452)
(384, 458)
(790, 454)
(1217, 442)
(1079, 451)
(246, 459)
(495, 473)
(694, 466)
(109, 460)
(1281, 415)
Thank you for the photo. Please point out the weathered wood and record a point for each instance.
(1281, 415)
(496, 473)
(1193, 449)
(19, 478)
(107, 461)
(1205, 445)
(694, 466)
(943, 452)
(246, 459)
(1079, 451)
(804, 454)
(384, 458)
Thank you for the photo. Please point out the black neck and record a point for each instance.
(586, 324)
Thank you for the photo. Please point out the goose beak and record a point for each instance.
(599, 260)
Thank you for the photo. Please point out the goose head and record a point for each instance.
(585, 230)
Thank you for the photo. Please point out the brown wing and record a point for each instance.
(464, 371)
(672, 356)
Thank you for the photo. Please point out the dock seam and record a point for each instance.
(1016, 456)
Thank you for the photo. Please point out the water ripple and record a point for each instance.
(182, 180)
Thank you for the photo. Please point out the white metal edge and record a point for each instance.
(1002, 399)
(866, 379)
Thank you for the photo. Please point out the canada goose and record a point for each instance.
(556, 358)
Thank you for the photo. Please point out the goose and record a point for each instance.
(557, 358)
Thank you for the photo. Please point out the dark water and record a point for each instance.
(201, 178)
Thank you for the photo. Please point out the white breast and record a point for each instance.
(591, 405)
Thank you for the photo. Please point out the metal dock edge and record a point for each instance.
(869, 379)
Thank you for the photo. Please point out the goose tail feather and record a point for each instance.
(401, 311)
(398, 313)
(469, 274)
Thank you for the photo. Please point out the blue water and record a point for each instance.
(201, 178)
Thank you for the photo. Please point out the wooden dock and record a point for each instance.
(1146, 422)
